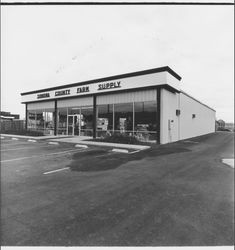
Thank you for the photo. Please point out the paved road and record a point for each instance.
(172, 195)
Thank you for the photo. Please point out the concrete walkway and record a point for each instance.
(35, 137)
(80, 140)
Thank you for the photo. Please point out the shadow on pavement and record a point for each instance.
(102, 160)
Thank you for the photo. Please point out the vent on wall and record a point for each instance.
(193, 116)
(177, 112)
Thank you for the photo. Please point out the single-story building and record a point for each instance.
(149, 105)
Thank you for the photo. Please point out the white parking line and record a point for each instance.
(53, 143)
(57, 170)
(15, 139)
(44, 155)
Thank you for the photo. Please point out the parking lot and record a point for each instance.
(60, 195)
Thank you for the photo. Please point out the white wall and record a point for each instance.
(203, 123)
(169, 104)
(184, 126)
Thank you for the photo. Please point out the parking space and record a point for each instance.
(62, 195)
(22, 154)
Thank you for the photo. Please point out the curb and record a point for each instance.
(30, 140)
(119, 150)
(53, 143)
(80, 146)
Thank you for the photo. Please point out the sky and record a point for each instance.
(47, 46)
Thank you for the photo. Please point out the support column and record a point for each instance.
(55, 119)
(26, 116)
(158, 115)
(94, 116)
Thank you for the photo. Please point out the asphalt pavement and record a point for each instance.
(180, 194)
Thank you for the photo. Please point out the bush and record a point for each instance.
(119, 138)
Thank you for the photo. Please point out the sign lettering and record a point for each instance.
(83, 89)
(44, 95)
(109, 85)
(62, 92)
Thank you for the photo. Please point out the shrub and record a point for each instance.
(119, 138)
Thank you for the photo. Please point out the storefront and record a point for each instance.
(137, 104)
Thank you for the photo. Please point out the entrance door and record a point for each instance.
(74, 125)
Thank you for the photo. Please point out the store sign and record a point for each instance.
(83, 89)
(109, 85)
(62, 92)
(44, 95)
(99, 87)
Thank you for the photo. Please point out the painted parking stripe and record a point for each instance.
(30, 140)
(2, 137)
(53, 143)
(35, 156)
(15, 139)
(56, 170)
(120, 150)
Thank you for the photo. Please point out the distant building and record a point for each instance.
(8, 116)
(220, 124)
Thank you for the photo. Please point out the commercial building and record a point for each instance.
(146, 104)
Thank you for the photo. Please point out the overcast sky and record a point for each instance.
(46, 46)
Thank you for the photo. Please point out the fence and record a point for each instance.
(14, 126)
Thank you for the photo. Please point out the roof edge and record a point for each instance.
(132, 74)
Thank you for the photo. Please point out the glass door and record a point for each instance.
(77, 126)
(74, 124)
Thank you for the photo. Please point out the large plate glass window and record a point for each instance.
(104, 120)
(145, 124)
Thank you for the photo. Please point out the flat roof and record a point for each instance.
(132, 74)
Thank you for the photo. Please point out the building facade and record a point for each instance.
(147, 104)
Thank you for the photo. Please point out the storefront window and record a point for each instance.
(62, 121)
(104, 120)
(145, 120)
(123, 118)
(48, 116)
(41, 120)
(87, 121)
(31, 120)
